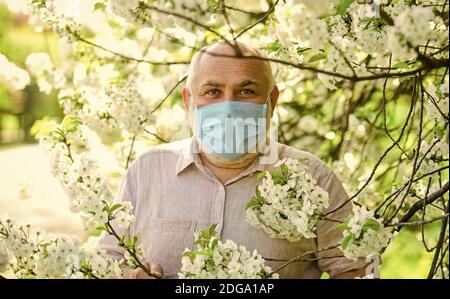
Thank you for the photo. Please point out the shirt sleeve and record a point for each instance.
(108, 243)
(332, 261)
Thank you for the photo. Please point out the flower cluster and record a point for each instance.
(288, 202)
(364, 235)
(89, 105)
(369, 32)
(129, 108)
(12, 74)
(413, 27)
(62, 20)
(124, 8)
(407, 197)
(89, 193)
(88, 190)
(214, 259)
(29, 252)
(47, 77)
(438, 104)
(433, 154)
(298, 25)
(341, 35)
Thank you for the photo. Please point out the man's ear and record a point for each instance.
(274, 94)
(186, 96)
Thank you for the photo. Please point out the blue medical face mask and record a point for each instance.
(230, 129)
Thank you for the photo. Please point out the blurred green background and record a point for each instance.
(19, 109)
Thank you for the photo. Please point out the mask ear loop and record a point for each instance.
(267, 139)
(269, 106)
(193, 110)
(192, 103)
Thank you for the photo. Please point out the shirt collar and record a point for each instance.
(189, 155)
(186, 157)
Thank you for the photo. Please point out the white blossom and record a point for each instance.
(299, 25)
(435, 152)
(364, 235)
(12, 74)
(288, 203)
(129, 108)
(40, 66)
(215, 259)
(33, 253)
(437, 104)
(124, 8)
(412, 27)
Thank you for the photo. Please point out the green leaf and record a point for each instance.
(343, 5)
(370, 224)
(101, 228)
(439, 92)
(273, 47)
(260, 175)
(214, 4)
(41, 3)
(214, 243)
(255, 201)
(284, 170)
(115, 207)
(70, 123)
(212, 229)
(121, 241)
(252, 203)
(203, 251)
(99, 5)
(204, 236)
(412, 191)
(344, 224)
(400, 65)
(190, 255)
(347, 242)
(278, 177)
(317, 57)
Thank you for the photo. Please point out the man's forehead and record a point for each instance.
(236, 72)
(214, 59)
(219, 65)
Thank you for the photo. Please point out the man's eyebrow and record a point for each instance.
(247, 82)
(217, 84)
(212, 83)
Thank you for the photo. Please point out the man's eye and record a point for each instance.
(213, 92)
(246, 91)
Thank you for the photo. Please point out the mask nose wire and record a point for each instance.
(268, 99)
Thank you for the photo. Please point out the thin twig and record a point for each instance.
(414, 223)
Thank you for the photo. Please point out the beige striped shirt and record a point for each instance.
(174, 195)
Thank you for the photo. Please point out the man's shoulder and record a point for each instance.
(316, 166)
(169, 151)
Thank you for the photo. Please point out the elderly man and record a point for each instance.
(185, 186)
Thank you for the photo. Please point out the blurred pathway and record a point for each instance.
(30, 193)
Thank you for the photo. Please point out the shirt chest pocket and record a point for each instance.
(167, 240)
